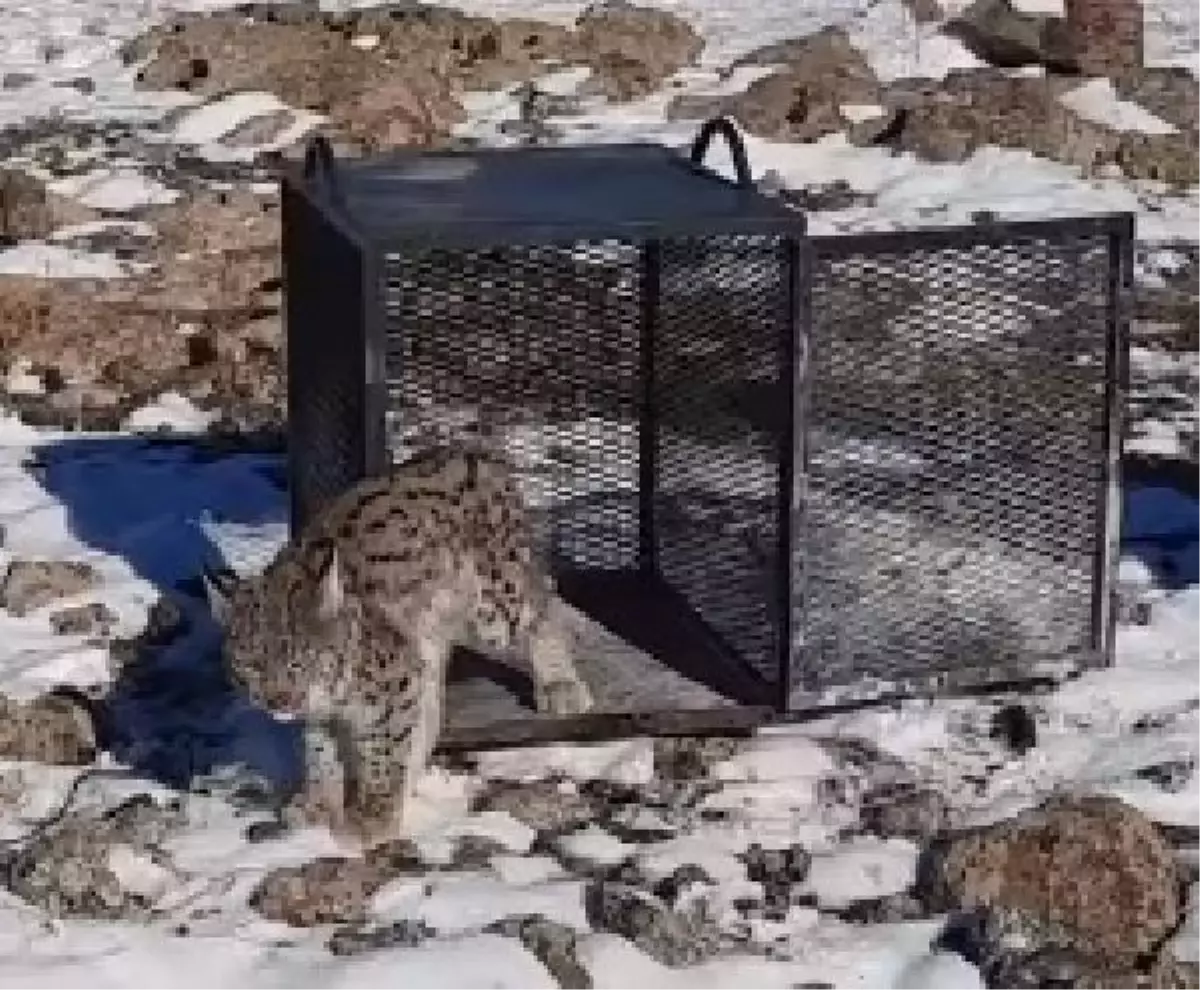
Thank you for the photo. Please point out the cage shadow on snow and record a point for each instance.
(773, 472)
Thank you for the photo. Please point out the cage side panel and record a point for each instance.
(956, 460)
(720, 407)
(325, 358)
(539, 345)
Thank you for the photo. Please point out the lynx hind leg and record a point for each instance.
(549, 646)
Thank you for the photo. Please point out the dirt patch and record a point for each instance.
(202, 320)
(391, 76)
(822, 80)
(631, 50)
(50, 729)
(29, 211)
(976, 107)
(28, 585)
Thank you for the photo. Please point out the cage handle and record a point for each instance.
(733, 140)
(319, 160)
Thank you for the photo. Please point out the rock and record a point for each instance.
(1092, 867)
(690, 757)
(1170, 775)
(16, 80)
(24, 210)
(553, 944)
(329, 890)
(804, 100)
(96, 864)
(1012, 949)
(903, 811)
(631, 49)
(544, 805)
(779, 871)
(94, 619)
(474, 852)
(680, 935)
(406, 934)
(1005, 37)
(924, 11)
(30, 584)
(53, 728)
(1015, 728)
(1108, 35)
(405, 110)
(971, 108)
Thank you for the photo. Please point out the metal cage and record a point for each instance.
(773, 472)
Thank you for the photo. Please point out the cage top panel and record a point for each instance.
(527, 194)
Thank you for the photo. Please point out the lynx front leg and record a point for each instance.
(384, 761)
(321, 797)
(550, 647)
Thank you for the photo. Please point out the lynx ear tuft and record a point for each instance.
(219, 586)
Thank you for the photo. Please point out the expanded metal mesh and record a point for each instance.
(956, 453)
(920, 423)
(540, 346)
(326, 354)
(721, 329)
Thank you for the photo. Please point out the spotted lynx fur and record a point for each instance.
(351, 626)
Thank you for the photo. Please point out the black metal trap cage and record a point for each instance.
(774, 472)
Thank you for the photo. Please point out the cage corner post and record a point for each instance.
(1120, 290)
(292, 263)
(376, 452)
(793, 387)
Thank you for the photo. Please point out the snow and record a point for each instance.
(207, 126)
(863, 870)
(172, 413)
(1097, 101)
(117, 189)
(147, 512)
(54, 261)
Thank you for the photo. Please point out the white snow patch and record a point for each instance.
(863, 869)
(21, 381)
(207, 126)
(137, 873)
(43, 260)
(940, 971)
(594, 845)
(93, 228)
(171, 412)
(117, 189)
(858, 112)
(628, 761)
(1097, 101)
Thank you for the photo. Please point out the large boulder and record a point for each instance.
(1092, 869)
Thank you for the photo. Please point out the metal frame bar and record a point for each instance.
(1111, 484)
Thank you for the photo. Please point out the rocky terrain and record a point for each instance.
(1008, 841)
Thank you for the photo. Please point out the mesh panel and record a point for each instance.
(543, 345)
(956, 447)
(724, 315)
(325, 358)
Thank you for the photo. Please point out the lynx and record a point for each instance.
(351, 626)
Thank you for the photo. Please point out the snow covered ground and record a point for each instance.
(147, 515)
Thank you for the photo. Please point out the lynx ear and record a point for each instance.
(218, 589)
(331, 593)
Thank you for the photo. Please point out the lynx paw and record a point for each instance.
(564, 697)
(371, 822)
